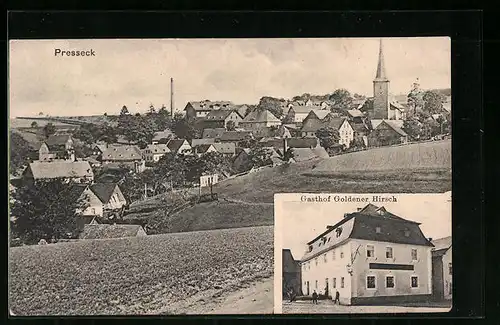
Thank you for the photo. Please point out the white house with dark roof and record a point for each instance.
(153, 152)
(258, 119)
(179, 146)
(57, 147)
(110, 195)
(200, 109)
(442, 270)
(298, 113)
(371, 256)
(220, 118)
(124, 155)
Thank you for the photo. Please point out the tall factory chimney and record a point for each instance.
(172, 98)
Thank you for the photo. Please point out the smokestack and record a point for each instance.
(172, 97)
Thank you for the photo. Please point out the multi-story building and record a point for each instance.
(370, 256)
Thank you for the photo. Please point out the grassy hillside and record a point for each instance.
(153, 274)
(434, 155)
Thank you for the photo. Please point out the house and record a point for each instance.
(213, 133)
(386, 134)
(286, 131)
(202, 108)
(110, 195)
(204, 149)
(227, 149)
(179, 146)
(162, 137)
(75, 171)
(355, 115)
(57, 147)
(220, 118)
(370, 256)
(442, 273)
(94, 163)
(197, 142)
(129, 156)
(360, 133)
(243, 161)
(298, 113)
(153, 152)
(106, 231)
(99, 148)
(91, 204)
(291, 277)
(236, 136)
(313, 124)
(258, 119)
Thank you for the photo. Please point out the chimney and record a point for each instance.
(171, 97)
(430, 238)
(359, 209)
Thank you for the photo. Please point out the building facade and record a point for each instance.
(442, 270)
(371, 256)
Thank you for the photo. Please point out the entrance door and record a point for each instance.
(307, 288)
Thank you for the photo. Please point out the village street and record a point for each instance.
(328, 307)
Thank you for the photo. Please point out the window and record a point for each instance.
(389, 281)
(370, 251)
(378, 230)
(407, 233)
(414, 255)
(334, 283)
(388, 252)
(333, 254)
(342, 282)
(338, 231)
(316, 261)
(93, 210)
(316, 284)
(449, 268)
(414, 281)
(370, 282)
(450, 291)
(341, 254)
(324, 256)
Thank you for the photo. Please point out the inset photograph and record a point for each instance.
(363, 253)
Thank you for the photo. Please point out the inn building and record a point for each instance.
(371, 256)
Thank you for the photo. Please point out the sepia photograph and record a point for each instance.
(363, 253)
(143, 171)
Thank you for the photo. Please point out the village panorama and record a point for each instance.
(170, 209)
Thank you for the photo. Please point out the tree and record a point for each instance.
(430, 128)
(183, 128)
(415, 98)
(105, 114)
(173, 168)
(20, 152)
(328, 137)
(124, 110)
(433, 102)
(152, 109)
(259, 156)
(273, 105)
(49, 209)
(341, 100)
(230, 126)
(34, 124)
(49, 129)
(84, 135)
(412, 127)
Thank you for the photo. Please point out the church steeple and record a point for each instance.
(381, 64)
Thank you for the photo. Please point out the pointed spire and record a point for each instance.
(381, 64)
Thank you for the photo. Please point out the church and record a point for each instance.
(381, 106)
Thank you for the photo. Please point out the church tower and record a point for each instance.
(381, 89)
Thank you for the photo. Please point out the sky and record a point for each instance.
(302, 221)
(137, 73)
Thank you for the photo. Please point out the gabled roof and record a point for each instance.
(61, 169)
(123, 152)
(207, 105)
(175, 144)
(103, 191)
(359, 127)
(355, 113)
(333, 122)
(289, 263)
(236, 136)
(225, 148)
(158, 148)
(300, 109)
(106, 231)
(394, 127)
(163, 135)
(220, 115)
(312, 125)
(213, 133)
(363, 225)
(197, 142)
(261, 116)
(303, 154)
(442, 243)
(58, 140)
(397, 123)
(203, 148)
(302, 142)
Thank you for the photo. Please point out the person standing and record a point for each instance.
(337, 297)
(315, 297)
